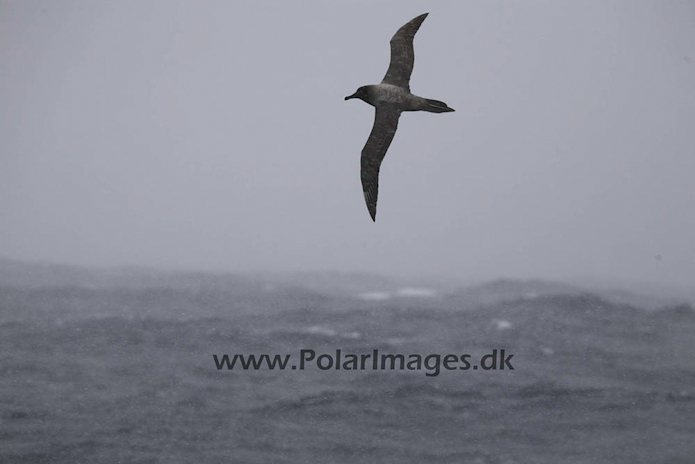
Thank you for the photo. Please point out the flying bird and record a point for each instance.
(390, 98)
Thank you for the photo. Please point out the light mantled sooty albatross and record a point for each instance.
(390, 99)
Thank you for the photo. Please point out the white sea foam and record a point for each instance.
(320, 330)
(409, 292)
(502, 324)
(374, 296)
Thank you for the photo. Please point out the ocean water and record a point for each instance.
(125, 373)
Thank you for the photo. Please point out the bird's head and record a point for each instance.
(361, 93)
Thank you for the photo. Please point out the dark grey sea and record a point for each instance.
(113, 369)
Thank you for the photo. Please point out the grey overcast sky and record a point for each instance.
(214, 136)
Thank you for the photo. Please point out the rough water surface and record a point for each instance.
(125, 373)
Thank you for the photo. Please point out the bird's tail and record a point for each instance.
(436, 106)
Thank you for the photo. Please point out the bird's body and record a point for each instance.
(389, 94)
(384, 95)
(390, 98)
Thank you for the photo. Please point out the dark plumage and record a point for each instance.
(390, 98)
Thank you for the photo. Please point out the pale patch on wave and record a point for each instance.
(416, 292)
(374, 296)
(502, 324)
(319, 330)
(328, 332)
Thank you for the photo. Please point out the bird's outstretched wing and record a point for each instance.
(385, 125)
(402, 54)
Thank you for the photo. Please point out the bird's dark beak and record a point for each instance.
(354, 95)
